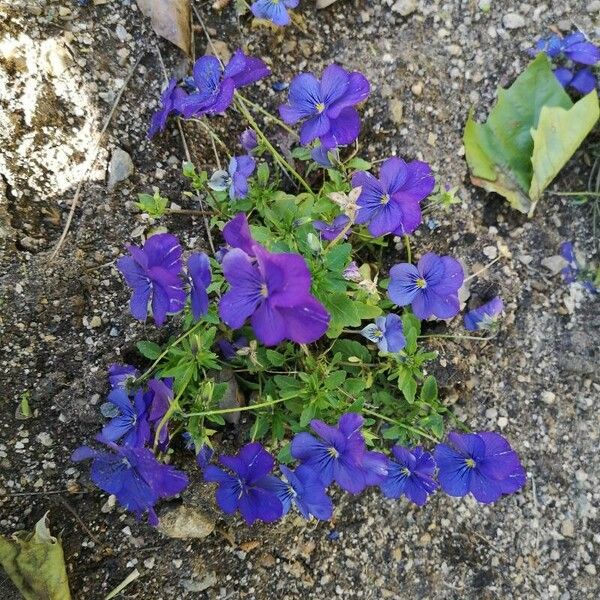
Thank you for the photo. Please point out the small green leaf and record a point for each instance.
(335, 379)
(308, 414)
(154, 206)
(262, 174)
(188, 169)
(148, 349)
(429, 391)
(275, 358)
(337, 258)
(359, 164)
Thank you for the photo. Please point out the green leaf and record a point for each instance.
(275, 358)
(285, 454)
(500, 151)
(148, 349)
(301, 153)
(35, 563)
(359, 164)
(262, 174)
(560, 132)
(429, 391)
(343, 310)
(337, 258)
(335, 379)
(152, 205)
(407, 384)
(352, 349)
(308, 414)
(367, 311)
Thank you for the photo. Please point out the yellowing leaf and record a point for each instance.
(560, 132)
(35, 563)
(171, 20)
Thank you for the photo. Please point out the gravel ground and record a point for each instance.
(63, 320)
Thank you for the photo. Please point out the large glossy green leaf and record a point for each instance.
(499, 152)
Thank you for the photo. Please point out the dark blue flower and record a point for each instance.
(131, 423)
(134, 476)
(550, 46)
(153, 272)
(235, 179)
(576, 48)
(411, 475)
(274, 10)
(171, 100)
(574, 272)
(323, 156)
(245, 70)
(121, 375)
(229, 350)
(582, 80)
(330, 232)
(303, 487)
(338, 455)
(485, 316)
(391, 204)
(431, 287)
(204, 456)
(249, 489)
(326, 107)
(387, 333)
(481, 463)
(200, 278)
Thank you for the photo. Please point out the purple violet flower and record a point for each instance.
(274, 10)
(237, 234)
(134, 476)
(330, 232)
(326, 107)
(303, 487)
(200, 278)
(391, 204)
(204, 456)
(161, 394)
(550, 46)
(582, 81)
(153, 272)
(235, 179)
(576, 48)
(483, 464)
(121, 375)
(274, 291)
(216, 86)
(485, 316)
(411, 475)
(249, 140)
(321, 156)
(229, 350)
(386, 332)
(170, 99)
(571, 271)
(352, 273)
(431, 287)
(248, 490)
(131, 423)
(338, 455)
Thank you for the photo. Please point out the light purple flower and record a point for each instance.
(411, 475)
(431, 287)
(481, 463)
(121, 375)
(331, 231)
(391, 204)
(161, 394)
(274, 10)
(326, 107)
(249, 140)
(352, 273)
(200, 278)
(274, 291)
(248, 490)
(170, 99)
(153, 272)
(216, 86)
(386, 332)
(484, 317)
(237, 234)
(235, 179)
(134, 476)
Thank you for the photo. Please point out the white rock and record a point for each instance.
(119, 168)
(554, 263)
(513, 21)
(405, 7)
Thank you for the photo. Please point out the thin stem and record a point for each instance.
(408, 250)
(223, 411)
(276, 155)
(341, 235)
(190, 212)
(268, 115)
(472, 276)
(597, 194)
(173, 406)
(180, 339)
(450, 336)
(414, 430)
(213, 136)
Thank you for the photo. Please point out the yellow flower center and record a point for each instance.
(385, 198)
(320, 107)
(264, 290)
(421, 283)
(405, 471)
(470, 463)
(333, 452)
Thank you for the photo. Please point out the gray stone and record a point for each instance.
(396, 110)
(513, 21)
(186, 522)
(405, 7)
(120, 168)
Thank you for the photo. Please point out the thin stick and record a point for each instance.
(482, 269)
(80, 521)
(210, 42)
(87, 166)
(188, 156)
(129, 579)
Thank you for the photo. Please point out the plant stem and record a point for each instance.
(450, 336)
(213, 134)
(414, 430)
(408, 250)
(473, 275)
(276, 155)
(268, 115)
(341, 235)
(597, 194)
(222, 411)
(173, 406)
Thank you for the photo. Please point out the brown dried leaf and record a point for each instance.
(170, 20)
(324, 3)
